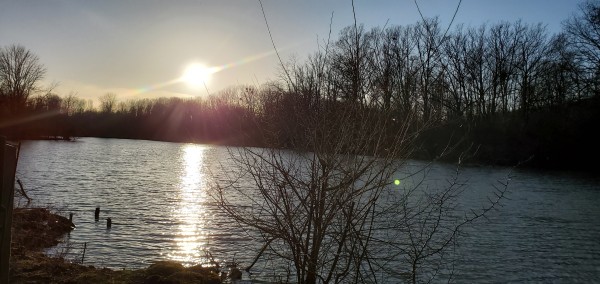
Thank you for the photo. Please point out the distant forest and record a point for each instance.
(510, 90)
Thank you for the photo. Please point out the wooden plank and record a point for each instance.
(8, 164)
(4, 256)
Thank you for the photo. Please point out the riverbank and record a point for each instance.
(35, 229)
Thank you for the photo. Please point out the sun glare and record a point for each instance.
(197, 75)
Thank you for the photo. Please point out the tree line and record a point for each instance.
(473, 82)
(470, 73)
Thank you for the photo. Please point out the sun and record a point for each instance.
(197, 75)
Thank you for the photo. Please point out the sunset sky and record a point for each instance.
(140, 48)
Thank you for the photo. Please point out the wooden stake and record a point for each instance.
(83, 255)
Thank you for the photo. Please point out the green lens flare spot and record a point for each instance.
(397, 182)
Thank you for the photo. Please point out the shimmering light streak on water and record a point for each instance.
(190, 211)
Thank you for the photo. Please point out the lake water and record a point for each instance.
(548, 229)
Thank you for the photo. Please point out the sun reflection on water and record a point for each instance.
(191, 238)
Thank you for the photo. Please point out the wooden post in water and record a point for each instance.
(108, 223)
(83, 255)
(97, 214)
(8, 166)
(71, 217)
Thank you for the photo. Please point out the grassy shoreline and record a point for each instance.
(35, 229)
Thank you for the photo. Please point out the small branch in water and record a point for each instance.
(23, 191)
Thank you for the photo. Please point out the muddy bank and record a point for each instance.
(35, 229)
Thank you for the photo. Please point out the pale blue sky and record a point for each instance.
(93, 47)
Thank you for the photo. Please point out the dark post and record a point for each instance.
(8, 166)
(97, 214)
(4, 255)
(108, 223)
(71, 217)
(83, 255)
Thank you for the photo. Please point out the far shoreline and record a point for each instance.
(451, 158)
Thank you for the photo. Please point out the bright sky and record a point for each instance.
(138, 48)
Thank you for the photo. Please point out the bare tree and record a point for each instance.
(531, 49)
(584, 33)
(455, 65)
(108, 103)
(20, 72)
(317, 209)
(561, 79)
(88, 105)
(406, 71)
(428, 36)
(71, 104)
(325, 205)
(349, 61)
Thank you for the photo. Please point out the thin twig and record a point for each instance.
(274, 46)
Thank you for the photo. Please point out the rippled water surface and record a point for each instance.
(156, 195)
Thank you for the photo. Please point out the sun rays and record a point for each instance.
(198, 75)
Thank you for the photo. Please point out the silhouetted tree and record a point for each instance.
(108, 103)
(20, 72)
(349, 64)
(428, 38)
(531, 50)
(561, 79)
(71, 104)
(584, 34)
